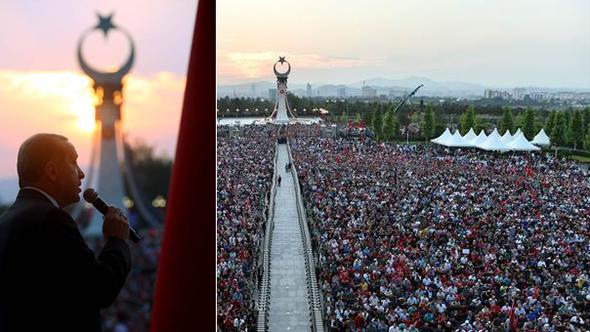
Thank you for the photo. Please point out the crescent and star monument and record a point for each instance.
(108, 87)
(281, 111)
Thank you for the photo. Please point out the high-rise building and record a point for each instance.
(496, 94)
(309, 92)
(272, 94)
(369, 92)
(518, 93)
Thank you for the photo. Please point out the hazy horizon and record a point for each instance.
(356, 82)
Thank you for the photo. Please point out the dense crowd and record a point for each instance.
(131, 311)
(421, 238)
(244, 178)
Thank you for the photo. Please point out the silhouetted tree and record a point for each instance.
(507, 121)
(576, 129)
(558, 134)
(377, 122)
(586, 118)
(550, 122)
(468, 120)
(388, 125)
(587, 140)
(528, 126)
(428, 123)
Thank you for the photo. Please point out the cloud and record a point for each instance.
(257, 65)
(62, 102)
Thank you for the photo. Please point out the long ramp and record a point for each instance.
(289, 298)
(289, 302)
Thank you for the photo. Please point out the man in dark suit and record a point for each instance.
(49, 279)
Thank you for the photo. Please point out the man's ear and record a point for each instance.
(50, 170)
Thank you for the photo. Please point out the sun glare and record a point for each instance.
(60, 92)
(83, 109)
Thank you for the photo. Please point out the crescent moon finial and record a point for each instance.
(281, 61)
(105, 25)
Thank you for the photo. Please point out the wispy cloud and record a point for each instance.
(256, 65)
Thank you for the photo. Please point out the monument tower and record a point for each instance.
(281, 111)
(108, 87)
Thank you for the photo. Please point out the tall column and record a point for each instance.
(108, 86)
(281, 111)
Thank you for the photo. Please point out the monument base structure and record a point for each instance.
(282, 111)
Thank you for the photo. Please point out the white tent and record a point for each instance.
(507, 137)
(455, 140)
(482, 137)
(520, 143)
(469, 136)
(518, 131)
(442, 138)
(493, 143)
(541, 138)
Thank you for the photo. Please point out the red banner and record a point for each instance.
(184, 298)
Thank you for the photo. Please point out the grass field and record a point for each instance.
(580, 159)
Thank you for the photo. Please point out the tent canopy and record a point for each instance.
(493, 143)
(442, 138)
(482, 137)
(456, 140)
(520, 143)
(507, 137)
(541, 138)
(469, 136)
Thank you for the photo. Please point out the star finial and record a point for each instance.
(105, 24)
(282, 59)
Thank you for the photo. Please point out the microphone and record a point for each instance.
(91, 196)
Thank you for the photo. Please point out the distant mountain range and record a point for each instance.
(384, 86)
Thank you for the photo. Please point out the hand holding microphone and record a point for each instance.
(115, 223)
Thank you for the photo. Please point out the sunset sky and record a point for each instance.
(500, 43)
(42, 88)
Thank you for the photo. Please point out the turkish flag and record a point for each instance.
(513, 322)
(184, 298)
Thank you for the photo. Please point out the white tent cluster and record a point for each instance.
(493, 142)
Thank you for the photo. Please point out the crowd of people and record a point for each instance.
(131, 312)
(407, 237)
(423, 238)
(244, 176)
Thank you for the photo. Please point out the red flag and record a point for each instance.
(248, 206)
(513, 323)
(184, 298)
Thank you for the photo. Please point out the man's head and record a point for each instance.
(49, 162)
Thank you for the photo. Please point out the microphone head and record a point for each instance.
(90, 195)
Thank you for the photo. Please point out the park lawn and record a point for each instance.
(580, 159)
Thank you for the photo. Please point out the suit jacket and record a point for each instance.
(49, 279)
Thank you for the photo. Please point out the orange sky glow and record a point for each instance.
(63, 102)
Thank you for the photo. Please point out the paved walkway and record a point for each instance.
(289, 307)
